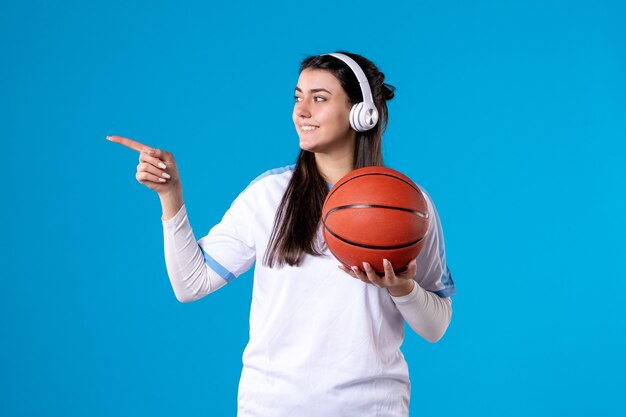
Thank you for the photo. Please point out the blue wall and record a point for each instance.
(511, 114)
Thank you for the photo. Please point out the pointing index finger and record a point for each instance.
(132, 144)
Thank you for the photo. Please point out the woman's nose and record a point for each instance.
(302, 110)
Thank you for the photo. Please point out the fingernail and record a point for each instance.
(366, 265)
(162, 179)
(355, 268)
(108, 137)
(162, 165)
(386, 262)
(166, 175)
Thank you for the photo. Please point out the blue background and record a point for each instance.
(511, 114)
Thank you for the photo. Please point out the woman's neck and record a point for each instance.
(333, 167)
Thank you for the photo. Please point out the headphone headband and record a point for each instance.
(360, 75)
(364, 115)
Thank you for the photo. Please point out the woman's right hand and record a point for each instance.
(157, 170)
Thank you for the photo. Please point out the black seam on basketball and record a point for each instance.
(349, 206)
(360, 245)
(332, 191)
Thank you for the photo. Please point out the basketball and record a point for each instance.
(375, 213)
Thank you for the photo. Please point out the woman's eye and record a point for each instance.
(315, 98)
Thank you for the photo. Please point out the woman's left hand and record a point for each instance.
(398, 284)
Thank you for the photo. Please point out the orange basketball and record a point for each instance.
(372, 214)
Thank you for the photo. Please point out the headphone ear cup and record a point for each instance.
(354, 112)
(368, 116)
(363, 116)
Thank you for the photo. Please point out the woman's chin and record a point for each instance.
(307, 145)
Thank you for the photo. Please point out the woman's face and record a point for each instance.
(321, 113)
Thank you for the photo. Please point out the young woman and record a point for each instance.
(324, 339)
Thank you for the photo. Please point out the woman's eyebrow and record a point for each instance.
(315, 90)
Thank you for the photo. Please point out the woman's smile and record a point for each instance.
(308, 128)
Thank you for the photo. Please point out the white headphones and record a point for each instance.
(364, 115)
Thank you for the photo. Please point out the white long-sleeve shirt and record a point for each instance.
(315, 332)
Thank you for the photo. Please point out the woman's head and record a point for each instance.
(317, 70)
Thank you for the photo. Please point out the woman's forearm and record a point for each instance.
(190, 276)
(171, 202)
(425, 312)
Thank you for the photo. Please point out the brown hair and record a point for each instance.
(300, 210)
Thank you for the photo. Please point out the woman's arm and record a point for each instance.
(425, 312)
(190, 276)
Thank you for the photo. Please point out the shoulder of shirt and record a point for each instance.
(425, 193)
(269, 175)
(432, 211)
(429, 201)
